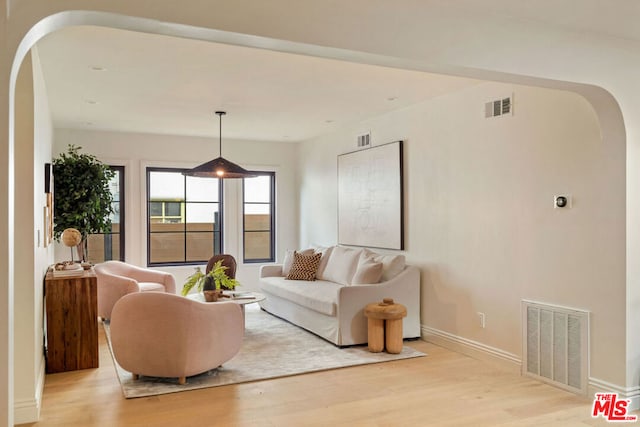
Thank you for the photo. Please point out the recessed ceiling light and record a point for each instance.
(88, 123)
(328, 121)
(90, 101)
(97, 68)
(392, 98)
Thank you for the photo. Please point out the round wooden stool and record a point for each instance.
(385, 318)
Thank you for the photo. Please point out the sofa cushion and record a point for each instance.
(304, 267)
(288, 259)
(369, 271)
(151, 287)
(319, 295)
(342, 265)
(392, 265)
(325, 254)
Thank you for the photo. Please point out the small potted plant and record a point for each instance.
(210, 284)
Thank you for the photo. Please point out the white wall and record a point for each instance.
(138, 151)
(480, 220)
(32, 258)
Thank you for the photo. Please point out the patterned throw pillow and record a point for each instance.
(304, 267)
(288, 259)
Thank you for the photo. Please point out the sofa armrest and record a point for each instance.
(271, 270)
(169, 283)
(120, 284)
(156, 276)
(404, 289)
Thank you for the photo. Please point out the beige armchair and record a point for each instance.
(161, 335)
(117, 279)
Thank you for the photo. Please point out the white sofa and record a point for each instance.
(334, 310)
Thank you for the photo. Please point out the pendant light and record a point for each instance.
(220, 168)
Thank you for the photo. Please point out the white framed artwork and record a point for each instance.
(370, 197)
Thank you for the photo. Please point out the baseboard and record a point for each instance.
(631, 393)
(28, 410)
(472, 348)
(514, 363)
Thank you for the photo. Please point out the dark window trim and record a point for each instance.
(122, 202)
(121, 233)
(220, 232)
(272, 204)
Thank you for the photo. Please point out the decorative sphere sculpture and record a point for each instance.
(71, 237)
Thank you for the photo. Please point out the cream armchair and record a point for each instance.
(117, 279)
(161, 335)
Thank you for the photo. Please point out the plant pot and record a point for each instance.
(212, 296)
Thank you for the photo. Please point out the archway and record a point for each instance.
(605, 105)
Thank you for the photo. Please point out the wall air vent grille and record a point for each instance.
(556, 347)
(499, 107)
(364, 140)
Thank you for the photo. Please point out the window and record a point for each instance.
(166, 212)
(184, 219)
(258, 212)
(110, 245)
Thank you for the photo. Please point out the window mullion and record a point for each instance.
(184, 219)
(264, 253)
(184, 222)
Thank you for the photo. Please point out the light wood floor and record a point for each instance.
(443, 389)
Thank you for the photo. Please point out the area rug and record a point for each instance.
(271, 348)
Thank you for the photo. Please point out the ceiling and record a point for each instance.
(613, 18)
(108, 79)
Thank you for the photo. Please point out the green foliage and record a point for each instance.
(220, 277)
(196, 279)
(217, 274)
(82, 198)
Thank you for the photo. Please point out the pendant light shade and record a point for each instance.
(220, 167)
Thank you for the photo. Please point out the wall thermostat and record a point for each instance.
(562, 201)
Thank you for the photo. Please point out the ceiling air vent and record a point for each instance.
(499, 107)
(364, 140)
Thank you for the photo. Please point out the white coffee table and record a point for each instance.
(241, 298)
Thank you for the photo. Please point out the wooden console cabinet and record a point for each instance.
(72, 322)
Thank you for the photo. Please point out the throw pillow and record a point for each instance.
(304, 267)
(341, 265)
(325, 252)
(288, 259)
(392, 265)
(369, 271)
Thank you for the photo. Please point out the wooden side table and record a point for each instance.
(72, 322)
(385, 325)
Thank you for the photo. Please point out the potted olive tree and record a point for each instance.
(82, 198)
(211, 284)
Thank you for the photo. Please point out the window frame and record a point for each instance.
(220, 202)
(164, 214)
(121, 187)
(272, 212)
